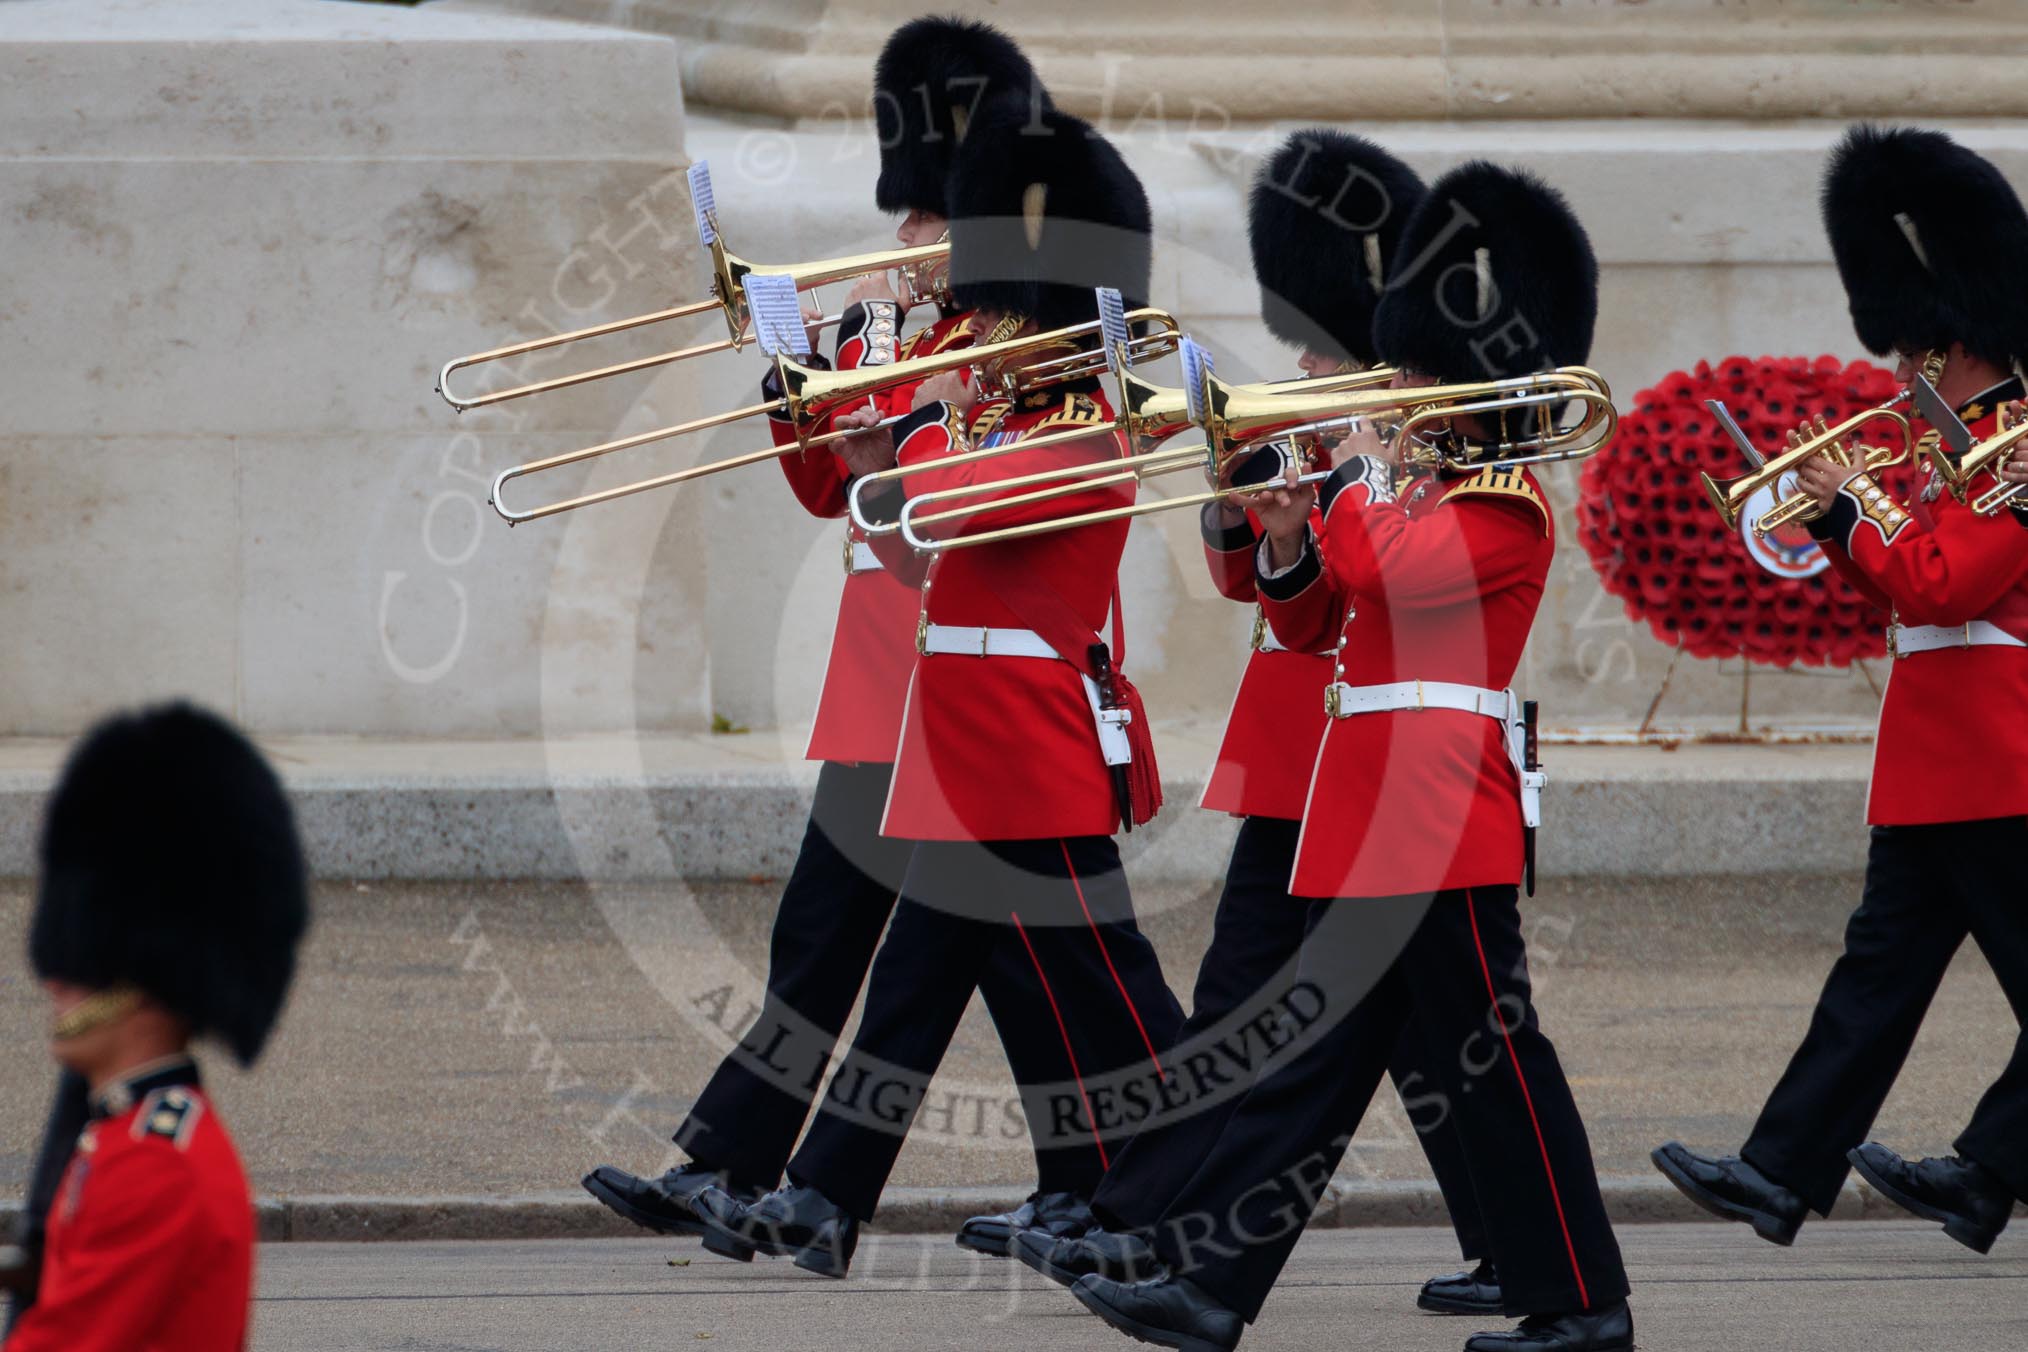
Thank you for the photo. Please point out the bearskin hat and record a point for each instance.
(170, 863)
(1044, 210)
(1494, 278)
(1931, 244)
(1325, 221)
(930, 78)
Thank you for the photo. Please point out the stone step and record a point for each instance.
(698, 806)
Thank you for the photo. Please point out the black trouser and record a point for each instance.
(1256, 934)
(1453, 968)
(1927, 887)
(828, 924)
(67, 1114)
(1059, 906)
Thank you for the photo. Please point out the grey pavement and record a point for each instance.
(491, 1041)
(1845, 1287)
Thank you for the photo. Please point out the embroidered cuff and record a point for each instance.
(1285, 584)
(1221, 538)
(1376, 476)
(1862, 501)
(929, 414)
(877, 323)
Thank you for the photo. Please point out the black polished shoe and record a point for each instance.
(1964, 1195)
(1474, 1292)
(1607, 1330)
(1168, 1312)
(790, 1222)
(1048, 1213)
(1105, 1253)
(1731, 1189)
(663, 1204)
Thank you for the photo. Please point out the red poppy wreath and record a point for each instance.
(1660, 547)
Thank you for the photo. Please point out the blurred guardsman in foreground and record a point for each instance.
(739, 1132)
(1932, 245)
(1413, 834)
(1325, 223)
(172, 899)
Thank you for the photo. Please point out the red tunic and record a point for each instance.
(1004, 748)
(1953, 741)
(151, 1237)
(873, 646)
(1277, 719)
(1440, 587)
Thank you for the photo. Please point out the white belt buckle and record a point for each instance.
(1418, 694)
(1966, 630)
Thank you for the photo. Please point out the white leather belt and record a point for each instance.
(860, 558)
(971, 641)
(1502, 706)
(1904, 639)
(976, 642)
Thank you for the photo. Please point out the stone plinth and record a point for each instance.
(1383, 59)
(241, 236)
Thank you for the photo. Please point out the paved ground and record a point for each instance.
(1697, 1288)
(485, 1040)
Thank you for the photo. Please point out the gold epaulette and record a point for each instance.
(1076, 410)
(1506, 481)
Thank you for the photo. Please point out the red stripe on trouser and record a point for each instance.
(1099, 939)
(1472, 912)
(1064, 1032)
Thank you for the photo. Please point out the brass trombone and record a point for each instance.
(921, 278)
(1238, 418)
(1149, 414)
(811, 394)
(1730, 496)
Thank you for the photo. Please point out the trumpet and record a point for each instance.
(1989, 454)
(811, 394)
(920, 272)
(1730, 496)
(1238, 418)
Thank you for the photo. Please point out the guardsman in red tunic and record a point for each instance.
(1325, 217)
(1411, 849)
(1017, 716)
(172, 898)
(1932, 245)
(740, 1130)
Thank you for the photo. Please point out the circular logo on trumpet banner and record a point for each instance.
(1786, 551)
